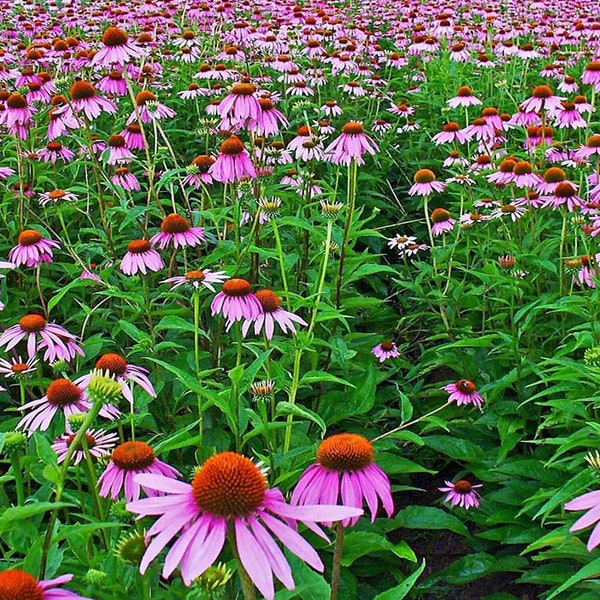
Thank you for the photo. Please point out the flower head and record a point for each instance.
(461, 493)
(387, 349)
(351, 145)
(99, 444)
(425, 183)
(233, 162)
(116, 49)
(463, 392)
(176, 230)
(32, 249)
(236, 301)
(198, 278)
(127, 460)
(229, 492)
(271, 313)
(20, 585)
(140, 257)
(345, 469)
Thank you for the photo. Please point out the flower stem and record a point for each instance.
(405, 425)
(196, 305)
(281, 261)
(15, 461)
(340, 530)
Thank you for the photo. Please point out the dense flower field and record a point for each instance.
(290, 287)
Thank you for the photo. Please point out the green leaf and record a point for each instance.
(17, 513)
(361, 543)
(287, 408)
(400, 591)
(459, 449)
(311, 377)
(309, 584)
(429, 517)
(76, 283)
(589, 571)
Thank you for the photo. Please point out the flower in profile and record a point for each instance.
(16, 366)
(236, 302)
(198, 278)
(116, 49)
(128, 460)
(425, 183)
(118, 153)
(463, 392)
(233, 163)
(149, 108)
(126, 179)
(351, 145)
(32, 249)
(387, 349)
(84, 99)
(20, 585)
(271, 313)
(197, 171)
(442, 221)
(56, 195)
(99, 443)
(461, 493)
(542, 98)
(240, 108)
(17, 115)
(123, 372)
(176, 230)
(464, 97)
(61, 395)
(230, 492)
(140, 256)
(57, 341)
(346, 470)
(591, 73)
(54, 151)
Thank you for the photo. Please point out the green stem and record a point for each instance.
(409, 424)
(322, 276)
(15, 461)
(196, 306)
(340, 530)
(281, 261)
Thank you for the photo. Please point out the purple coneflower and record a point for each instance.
(591, 73)
(32, 249)
(442, 221)
(176, 230)
(464, 97)
(113, 84)
(149, 108)
(99, 443)
(461, 493)
(268, 120)
(463, 392)
(240, 108)
(425, 183)
(233, 163)
(118, 153)
(55, 151)
(230, 491)
(16, 367)
(16, 584)
(198, 278)
(351, 145)
(400, 241)
(591, 503)
(236, 302)
(128, 460)
(126, 179)
(54, 196)
(387, 349)
(140, 256)
(568, 117)
(345, 470)
(542, 98)
(57, 341)
(271, 313)
(564, 193)
(451, 132)
(17, 116)
(116, 49)
(198, 171)
(123, 373)
(84, 99)
(524, 177)
(591, 148)
(61, 395)
(133, 137)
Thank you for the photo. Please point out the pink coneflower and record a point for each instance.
(524, 177)
(54, 196)
(149, 108)
(351, 145)
(140, 256)
(591, 73)
(233, 163)
(542, 98)
(331, 108)
(124, 178)
(402, 110)
(5, 173)
(591, 148)
(20, 585)
(230, 491)
(55, 151)
(132, 134)
(269, 119)
(479, 129)
(61, 395)
(113, 84)
(582, 105)
(345, 470)
(84, 99)
(568, 117)
(515, 210)
(240, 108)
(117, 151)
(57, 341)
(568, 85)
(99, 443)
(176, 230)
(197, 279)
(16, 367)
(17, 115)
(387, 349)
(425, 183)
(271, 313)
(197, 172)
(450, 133)
(464, 97)
(442, 221)
(123, 372)
(236, 302)
(462, 493)
(128, 460)
(32, 249)
(591, 503)
(564, 193)
(504, 174)
(463, 392)
(551, 178)
(116, 49)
